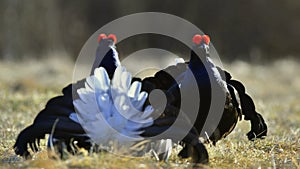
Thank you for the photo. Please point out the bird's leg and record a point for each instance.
(194, 148)
(186, 151)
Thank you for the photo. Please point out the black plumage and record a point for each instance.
(237, 102)
(60, 108)
(171, 80)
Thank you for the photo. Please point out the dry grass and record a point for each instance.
(275, 87)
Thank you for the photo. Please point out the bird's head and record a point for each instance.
(201, 43)
(106, 54)
(200, 50)
(109, 40)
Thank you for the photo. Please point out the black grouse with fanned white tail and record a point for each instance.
(60, 120)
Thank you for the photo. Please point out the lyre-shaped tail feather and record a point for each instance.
(112, 109)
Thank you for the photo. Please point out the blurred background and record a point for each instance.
(247, 30)
(257, 40)
(42, 39)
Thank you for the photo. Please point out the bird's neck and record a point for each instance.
(107, 58)
(202, 66)
(197, 62)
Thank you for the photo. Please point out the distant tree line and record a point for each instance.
(256, 29)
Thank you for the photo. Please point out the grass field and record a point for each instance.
(275, 87)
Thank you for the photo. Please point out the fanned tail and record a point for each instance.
(112, 109)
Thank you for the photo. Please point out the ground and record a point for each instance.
(275, 87)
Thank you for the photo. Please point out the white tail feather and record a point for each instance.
(112, 110)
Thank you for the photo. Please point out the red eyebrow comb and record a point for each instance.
(110, 36)
(198, 39)
(101, 36)
(206, 39)
(113, 37)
